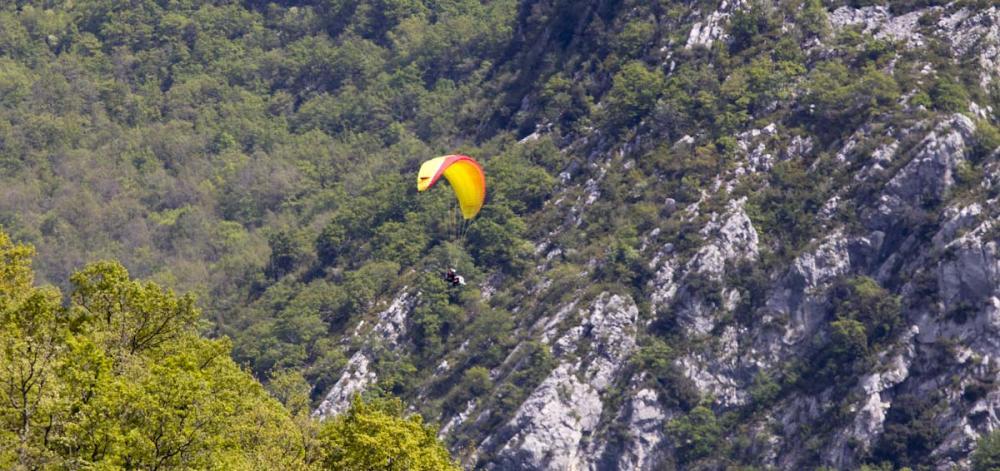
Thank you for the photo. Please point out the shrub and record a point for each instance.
(949, 96)
(862, 299)
(987, 454)
(987, 141)
(835, 99)
(477, 380)
(848, 340)
(921, 99)
(495, 238)
(747, 23)
(911, 433)
(697, 434)
(812, 18)
(764, 389)
(398, 242)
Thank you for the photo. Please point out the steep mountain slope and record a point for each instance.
(749, 233)
(820, 288)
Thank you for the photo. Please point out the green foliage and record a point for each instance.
(848, 341)
(967, 175)
(911, 433)
(986, 141)
(633, 95)
(764, 389)
(921, 99)
(878, 51)
(697, 434)
(490, 337)
(520, 184)
(291, 389)
(330, 242)
(657, 358)
(866, 319)
(836, 98)
(634, 38)
(375, 435)
(862, 299)
(563, 101)
(399, 242)
(496, 238)
(434, 316)
(476, 380)
(623, 263)
(286, 252)
(813, 18)
(948, 95)
(784, 210)
(121, 378)
(754, 88)
(747, 24)
(987, 454)
(261, 155)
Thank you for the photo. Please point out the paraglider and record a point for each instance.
(469, 184)
(465, 176)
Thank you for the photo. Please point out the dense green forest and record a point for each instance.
(261, 156)
(192, 139)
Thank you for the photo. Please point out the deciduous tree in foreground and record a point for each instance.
(120, 378)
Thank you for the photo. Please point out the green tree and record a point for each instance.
(285, 254)
(987, 454)
(849, 340)
(862, 299)
(376, 436)
(813, 18)
(748, 23)
(697, 434)
(633, 95)
(330, 242)
(32, 331)
(496, 238)
(836, 98)
(634, 38)
(518, 183)
(400, 242)
(120, 378)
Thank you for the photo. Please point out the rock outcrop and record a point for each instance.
(357, 376)
(548, 430)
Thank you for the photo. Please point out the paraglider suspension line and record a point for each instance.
(466, 225)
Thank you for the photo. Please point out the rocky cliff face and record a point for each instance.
(911, 208)
(389, 326)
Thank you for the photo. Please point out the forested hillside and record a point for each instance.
(718, 233)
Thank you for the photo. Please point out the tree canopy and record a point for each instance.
(120, 378)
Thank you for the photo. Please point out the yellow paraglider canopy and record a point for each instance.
(465, 176)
